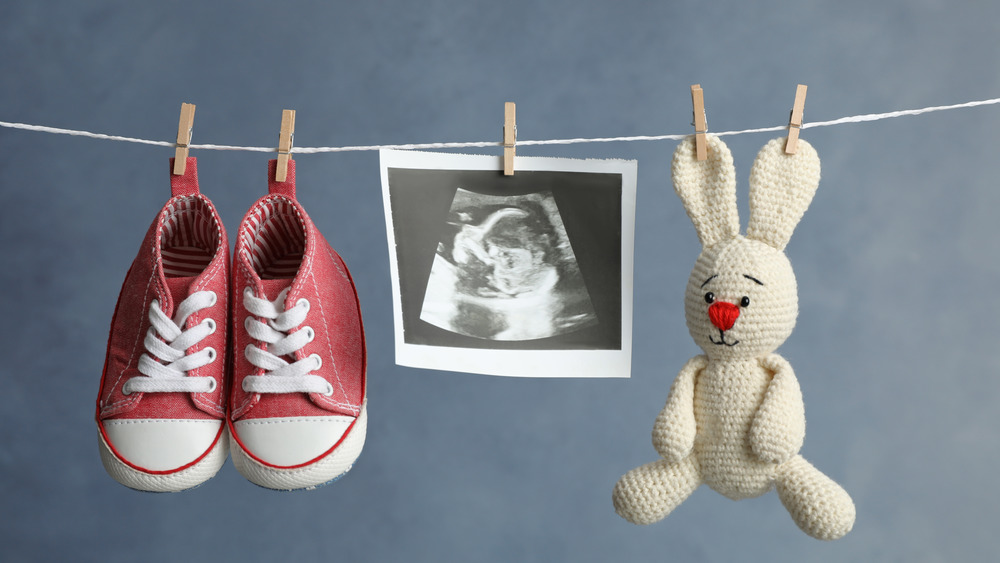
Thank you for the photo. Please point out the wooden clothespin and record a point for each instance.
(700, 122)
(509, 138)
(184, 132)
(285, 144)
(795, 121)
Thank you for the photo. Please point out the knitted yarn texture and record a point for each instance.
(734, 417)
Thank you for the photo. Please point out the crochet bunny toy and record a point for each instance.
(734, 417)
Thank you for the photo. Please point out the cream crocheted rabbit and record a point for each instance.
(734, 418)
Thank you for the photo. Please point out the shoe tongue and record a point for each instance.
(178, 288)
(273, 287)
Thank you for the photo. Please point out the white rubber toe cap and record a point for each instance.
(161, 444)
(286, 442)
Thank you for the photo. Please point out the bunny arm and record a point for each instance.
(675, 427)
(779, 426)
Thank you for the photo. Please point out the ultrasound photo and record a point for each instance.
(506, 271)
(523, 275)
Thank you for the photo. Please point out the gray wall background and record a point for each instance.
(896, 347)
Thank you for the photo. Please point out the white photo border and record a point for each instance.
(509, 362)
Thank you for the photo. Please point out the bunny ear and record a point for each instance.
(707, 189)
(781, 188)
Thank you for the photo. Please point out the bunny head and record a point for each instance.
(741, 300)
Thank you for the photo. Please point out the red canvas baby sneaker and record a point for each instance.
(297, 410)
(161, 407)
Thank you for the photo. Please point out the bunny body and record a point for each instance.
(727, 396)
(734, 418)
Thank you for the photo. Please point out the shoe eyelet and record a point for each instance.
(126, 390)
(318, 360)
(211, 354)
(303, 302)
(244, 386)
(246, 351)
(246, 323)
(329, 389)
(310, 333)
(211, 325)
(215, 298)
(248, 292)
(212, 385)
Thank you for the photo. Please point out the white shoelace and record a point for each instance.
(170, 373)
(281, 376)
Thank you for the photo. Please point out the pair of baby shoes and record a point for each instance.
(263, 358)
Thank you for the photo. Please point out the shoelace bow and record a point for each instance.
(168, 343)
(281, 376)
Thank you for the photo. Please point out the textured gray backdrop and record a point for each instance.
(896, 348)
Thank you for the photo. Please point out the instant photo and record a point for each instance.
(523, 275)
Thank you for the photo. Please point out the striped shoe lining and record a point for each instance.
(188, 239)
(274, 240)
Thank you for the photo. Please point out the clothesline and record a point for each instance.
(314, 150)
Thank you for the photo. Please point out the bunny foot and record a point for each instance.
(819, 506)
(650, 492)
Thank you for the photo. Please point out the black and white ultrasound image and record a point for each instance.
(525, 262)
(505, 270)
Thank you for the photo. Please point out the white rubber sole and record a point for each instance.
(323, 471)
(133, 478)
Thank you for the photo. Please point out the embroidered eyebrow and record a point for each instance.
(712, 278)
(753, 279)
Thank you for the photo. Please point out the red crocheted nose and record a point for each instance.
(723, 315)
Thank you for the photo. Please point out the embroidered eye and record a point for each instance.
(709, 297)
(745, 302)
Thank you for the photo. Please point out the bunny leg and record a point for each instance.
(650, 492)
(819, 506)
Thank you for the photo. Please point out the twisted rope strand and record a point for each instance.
(314, 150)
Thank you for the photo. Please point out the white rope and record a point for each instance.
(314, 150)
